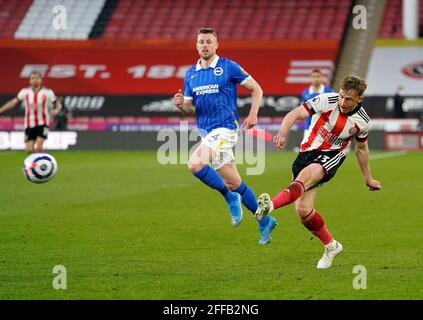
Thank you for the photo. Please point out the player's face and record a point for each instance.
(35, 80)
(206, 46)
(316, 79)
(348, 100)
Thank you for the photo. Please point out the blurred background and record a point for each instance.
(127, 227)
(116, 64)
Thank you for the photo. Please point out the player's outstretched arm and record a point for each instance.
(9, 105)
(57, 107)
(362, 154)
(298, 113)
(184, 105)
(256, 96)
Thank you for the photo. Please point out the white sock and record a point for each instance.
(332, 245)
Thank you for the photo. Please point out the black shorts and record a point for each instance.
(330, 161)
(33, 133)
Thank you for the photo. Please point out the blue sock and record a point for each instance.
(264, 221)
(248, 197)
(249, 200)
(211, 178)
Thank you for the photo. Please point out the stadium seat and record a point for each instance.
(148, 19)
(11, 15)
(263, 19)
(391, 25)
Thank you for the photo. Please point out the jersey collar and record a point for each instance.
(355, 110)
(212, 65)
(38, 89)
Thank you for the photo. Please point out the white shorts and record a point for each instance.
(221, 141)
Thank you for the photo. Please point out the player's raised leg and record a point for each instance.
(313, 221)
(307, 178)
(199, 166)
(232, 179)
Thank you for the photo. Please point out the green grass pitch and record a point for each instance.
(126, 227)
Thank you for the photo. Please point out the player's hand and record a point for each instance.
(279, 140)
(178, 100)
(250, 121)
(373, 184)
(55, 112)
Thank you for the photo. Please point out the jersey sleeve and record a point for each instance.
(51, 95)
(187, 88)
(321, 103)
(237, 73)
(21, 95)
(363, 134)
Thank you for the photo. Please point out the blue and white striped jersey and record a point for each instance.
(214, 93)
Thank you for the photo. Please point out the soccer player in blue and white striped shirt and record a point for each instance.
(210, 92)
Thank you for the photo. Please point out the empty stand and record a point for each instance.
(103, 18)
(236, 19)
(11, 15)
(169, 19)
(391, 26)
(80, 18)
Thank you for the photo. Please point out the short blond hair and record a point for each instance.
(354, 83)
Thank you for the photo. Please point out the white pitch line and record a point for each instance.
(387, 155)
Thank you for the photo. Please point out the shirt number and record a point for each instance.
(323, 158)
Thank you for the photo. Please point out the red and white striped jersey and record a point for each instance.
(331, 129)
(37, 106)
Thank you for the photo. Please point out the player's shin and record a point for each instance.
(210, 177)
(316, 225)
(288, 195)
(248, 197)
(249, 200)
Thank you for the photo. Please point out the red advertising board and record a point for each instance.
(403, 140)
(85, 69)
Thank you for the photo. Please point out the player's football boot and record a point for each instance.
(265, 206)
(266, 229)
(326, 261)
(235, 209)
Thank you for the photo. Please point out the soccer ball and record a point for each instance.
(40, 167)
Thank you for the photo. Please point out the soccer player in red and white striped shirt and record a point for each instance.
(38, 101)
(336, 119)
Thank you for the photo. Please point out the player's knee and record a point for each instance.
(233, 184)
(194, 166)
